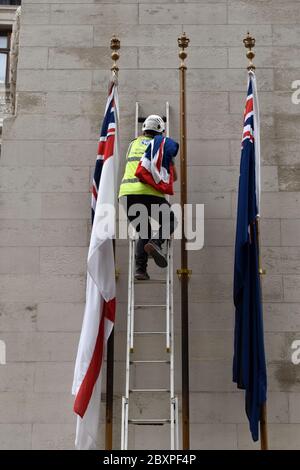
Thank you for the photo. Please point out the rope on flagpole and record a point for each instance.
(115, 46)
(249, 43)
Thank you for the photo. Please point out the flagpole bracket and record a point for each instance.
(117, 273)
(184, 272)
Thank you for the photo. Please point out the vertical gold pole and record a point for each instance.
(263, 411)
(263, 428)
(115, 46)
(183, 43)
(249, 43)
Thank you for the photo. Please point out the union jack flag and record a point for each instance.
(106, 143)
(248, 116)
(155, 167)
(251, 130)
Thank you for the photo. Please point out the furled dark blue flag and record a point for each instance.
(249, 366)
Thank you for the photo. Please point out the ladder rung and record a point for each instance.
(154, 361)
(151, 281)
(159, 422)
(142, 119)
(141, 390)
(150, 305)
(150, 332)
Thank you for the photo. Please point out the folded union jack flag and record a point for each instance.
(156, 167)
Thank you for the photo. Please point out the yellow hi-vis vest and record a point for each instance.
(130, 184)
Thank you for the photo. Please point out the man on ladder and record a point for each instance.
(156, 176)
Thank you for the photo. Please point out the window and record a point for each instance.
(10, 2)
(4, 56)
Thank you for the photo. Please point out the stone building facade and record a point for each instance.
(8, 36)
(48, 153)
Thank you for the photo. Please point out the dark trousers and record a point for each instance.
(160, 210)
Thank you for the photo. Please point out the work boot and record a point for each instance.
(141, 274)
(155, 251)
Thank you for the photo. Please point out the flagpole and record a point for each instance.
(184, 272)
(115, 46)
(249, 43)
(263, 411)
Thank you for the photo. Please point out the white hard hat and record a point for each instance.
(153, 123)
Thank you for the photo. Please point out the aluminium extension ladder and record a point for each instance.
(132, 333)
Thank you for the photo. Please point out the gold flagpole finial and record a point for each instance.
(115, 46)
(183, 42)
(249, 43)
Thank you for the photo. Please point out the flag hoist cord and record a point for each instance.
(155, 309)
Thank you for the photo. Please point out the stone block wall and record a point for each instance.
(48, 154)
